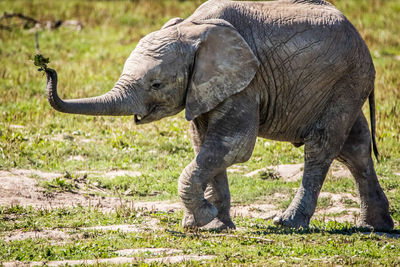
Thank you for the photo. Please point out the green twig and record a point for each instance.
(39, 60)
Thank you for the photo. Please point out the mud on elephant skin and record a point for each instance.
(289, 70)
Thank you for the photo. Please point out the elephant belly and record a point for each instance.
(297, 81)
(296, 98)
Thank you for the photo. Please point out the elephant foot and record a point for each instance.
(199, 217)
(376, 221)
(219, 225)
(292, 219)
(228, 222)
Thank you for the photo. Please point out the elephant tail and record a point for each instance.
(371, 101)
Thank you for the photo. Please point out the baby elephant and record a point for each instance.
(288, 70)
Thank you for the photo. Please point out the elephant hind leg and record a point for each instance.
(303, 206)
(356, 155)
(321, 148)
(322, 145)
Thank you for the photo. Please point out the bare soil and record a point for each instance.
(294, 172)
(150, 224)
(338, 210)
(63, 235)
(149, 251)
(55, 235)
(288, 172)
(117, 260)
(21, 187)
(17, 187)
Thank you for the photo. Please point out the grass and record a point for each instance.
(88, 62)
(259, 242)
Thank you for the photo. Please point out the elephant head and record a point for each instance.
(186, 64)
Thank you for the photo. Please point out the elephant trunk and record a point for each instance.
(113, 103)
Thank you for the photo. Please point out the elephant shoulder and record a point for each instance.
(313, 2)
(212, 3)
(210, 9)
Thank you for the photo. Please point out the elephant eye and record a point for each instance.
(156, 85)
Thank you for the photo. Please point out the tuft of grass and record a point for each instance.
(269, 175)
(324, 202)
(60, 184)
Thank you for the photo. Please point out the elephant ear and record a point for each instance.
(172, 22)
(224, 65)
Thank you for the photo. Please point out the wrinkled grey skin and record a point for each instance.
(294, 71)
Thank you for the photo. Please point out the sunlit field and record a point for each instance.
(80, 151)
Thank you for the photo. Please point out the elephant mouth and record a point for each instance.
(139, 119)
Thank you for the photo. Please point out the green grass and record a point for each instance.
(88, 63)
(258, 242)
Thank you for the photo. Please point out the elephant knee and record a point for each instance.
(215, 161)
(243, 156)
(211, 161)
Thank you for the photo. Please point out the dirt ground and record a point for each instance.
(116, 260)
(17, 187)
(22, 187)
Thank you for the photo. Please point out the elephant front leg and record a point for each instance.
(191, 187)
(218, 194)
(209, 168)
(229, 135)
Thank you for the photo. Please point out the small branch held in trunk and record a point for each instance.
(39, 60)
